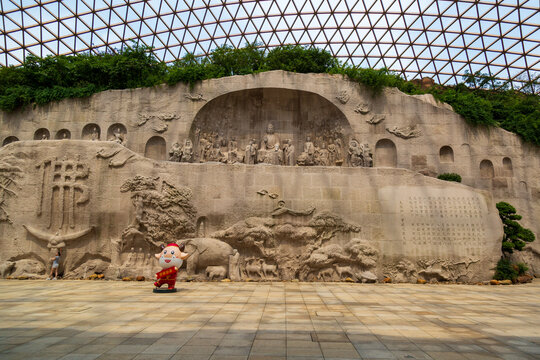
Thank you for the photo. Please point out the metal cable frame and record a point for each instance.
(442, 39)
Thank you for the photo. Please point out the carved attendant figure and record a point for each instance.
(175, 154)
(289, 153)
(187, 151)
(354, 157)
(251, 153)
(170, 259)
(95, 135)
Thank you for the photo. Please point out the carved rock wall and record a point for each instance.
(311, 223)
(410, 132)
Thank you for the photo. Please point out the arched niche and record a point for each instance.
(63, 134)
(507, 166)
(91, 132)
(240, 116)
(42, 134)
(9, 140)
(385, 154)
(446, 154)
(486, 169)
(156, 148)
(116, 131)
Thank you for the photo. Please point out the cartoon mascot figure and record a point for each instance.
(170, 259)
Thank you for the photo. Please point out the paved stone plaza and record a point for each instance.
(267, 321)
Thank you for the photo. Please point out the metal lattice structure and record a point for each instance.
(416, 38)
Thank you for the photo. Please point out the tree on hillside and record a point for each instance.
(515, 236)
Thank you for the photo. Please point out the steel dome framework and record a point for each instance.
(416, 38)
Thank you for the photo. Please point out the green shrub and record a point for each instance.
(481, 100)
(450, 177)
(521, 268)
(300, 59)
(515, 236)
(505, 270)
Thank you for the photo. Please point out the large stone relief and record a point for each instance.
(118, 157)
(196, 97)
(62, 189)
(262, 242)
(405, 132)
(158, 122)
(343, 97)
(9, 172)
(163, 212)
(362, 108)
(375, 119)
(359, 155)
(182, 153)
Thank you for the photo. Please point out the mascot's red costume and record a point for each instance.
(170, 259)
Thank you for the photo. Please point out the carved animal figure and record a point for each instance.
(344, 271)
(326, 274)
(254, 268)
(218, 272)
(269, 269)
(206, 252)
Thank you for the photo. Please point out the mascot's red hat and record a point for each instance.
(173, 244)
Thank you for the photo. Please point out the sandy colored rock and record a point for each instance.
(421, 281)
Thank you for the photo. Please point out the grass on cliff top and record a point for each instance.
(481, 100)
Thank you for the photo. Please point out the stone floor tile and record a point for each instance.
(232, 350)
(197, 350)
(375, 354)
(303, 351)
(80, 357)
(127, 349)
(108, 356)
(446, 355)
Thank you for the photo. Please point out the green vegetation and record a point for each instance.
(515, 236)
(480, 99)
(506, 270)
(450, 177)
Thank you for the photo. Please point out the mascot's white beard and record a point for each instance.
(173, 261)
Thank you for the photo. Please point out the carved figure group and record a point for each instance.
(325, 149)
(359, 155)
(181, 154)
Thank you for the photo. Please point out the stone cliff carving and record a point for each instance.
(9, 172)
(351, 260)
(160, 127)
(163, 212)
(61, 180)
(281, 210)
(260, 240)
(208, 253)
(158, 121)
(405, 132)
(118, 157)
(196, 97)
(56, 241)
(182, 154)
(359, 155)
(362, 109)
(375, 119)
(343, 97)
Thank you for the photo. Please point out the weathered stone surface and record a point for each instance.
(109, 208)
